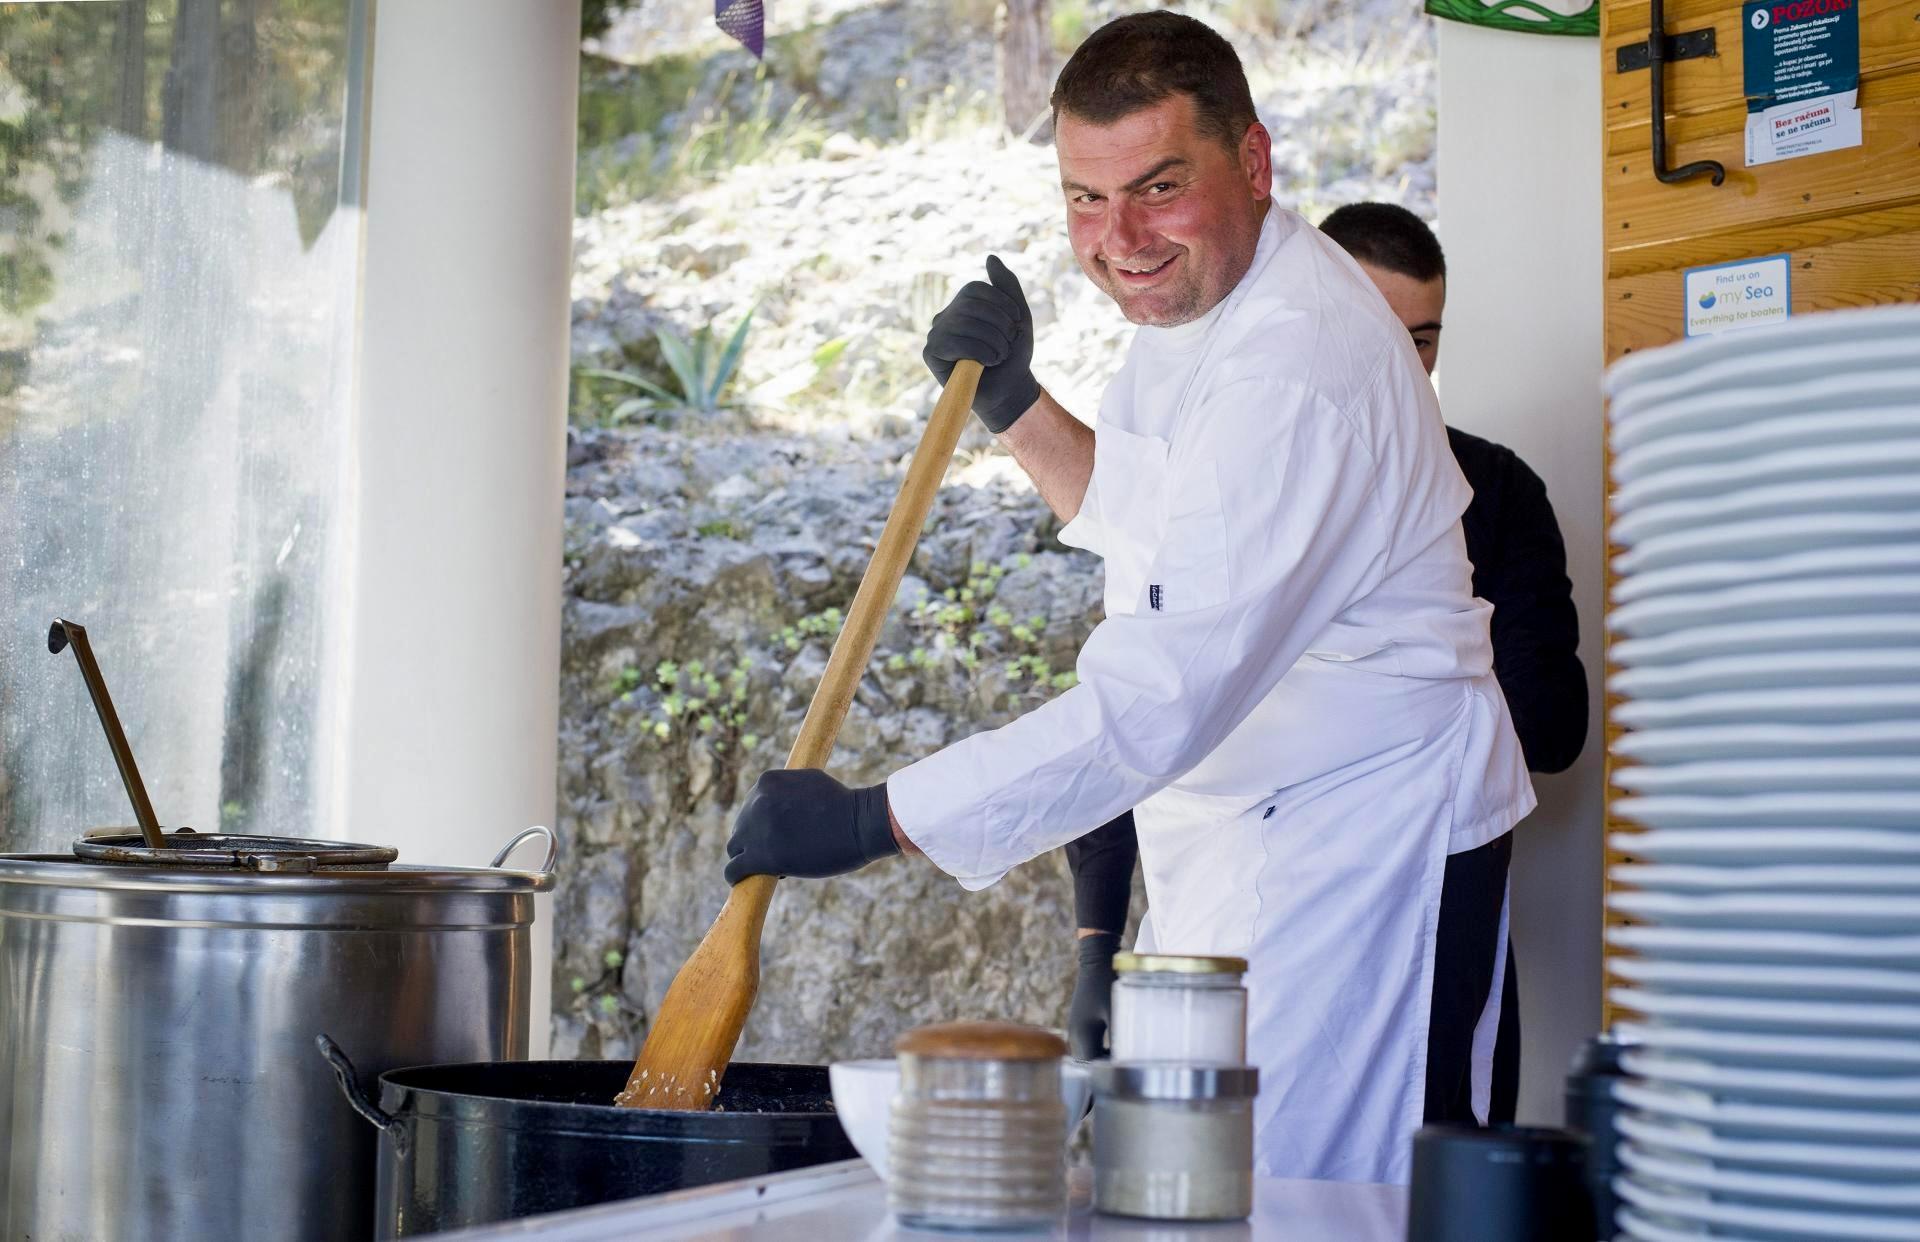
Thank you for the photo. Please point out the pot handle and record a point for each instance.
(538, 830)
(349, 1079)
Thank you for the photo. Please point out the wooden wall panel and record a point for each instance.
(1643, 309)
(1642, 213)
(1629, 140)
(1706, 95)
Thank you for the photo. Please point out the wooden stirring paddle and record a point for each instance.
(693, 1034)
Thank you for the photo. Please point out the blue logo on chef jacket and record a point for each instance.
(1153, 596)
(1707, 300)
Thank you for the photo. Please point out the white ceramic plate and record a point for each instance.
(1762, 383)
(1793, 705)
(1736, 1120)
(1784, 669)
(1885, 380)
(1765, 1224)
(1811, 877)
(1839, 595)
(1775, 773)
(1737, 1185)
(1791, 1050)
(1791, 635)
(1889, 808)
(1707, 743)
(1646, 1229)
(1806, 1087)
(1716, 478)
(1890, 559)
(1772, 1013)
(1824, 949)
(1862, 1161)
(1772, 846)
(1747, 440)
(1827, 330)
(1852, 914)
(1874, 495)
(1767, 536)
(1798, 374)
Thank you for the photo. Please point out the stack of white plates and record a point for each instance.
(1765, 627)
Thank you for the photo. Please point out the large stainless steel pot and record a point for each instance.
(158, 1025)
(464, 1145)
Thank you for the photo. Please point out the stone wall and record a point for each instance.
(703, 571)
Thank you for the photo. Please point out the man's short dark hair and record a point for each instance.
(1137, 61)
(1388, 236)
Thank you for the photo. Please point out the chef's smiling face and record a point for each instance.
(1164, 217)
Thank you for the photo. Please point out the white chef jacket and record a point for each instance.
(1288, 595)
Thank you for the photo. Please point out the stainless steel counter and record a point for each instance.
(846, 1201)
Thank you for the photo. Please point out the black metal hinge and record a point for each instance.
(1694, 43)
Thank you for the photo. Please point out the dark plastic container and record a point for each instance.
(1591, 1111)
(1503, 1184)
(465, 1145)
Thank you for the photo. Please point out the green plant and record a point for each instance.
(699, 371)
(963, 626)
(719, 528)
(813, 625)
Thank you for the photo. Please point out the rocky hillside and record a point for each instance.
(711, 540)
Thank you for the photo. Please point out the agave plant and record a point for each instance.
(700, 370)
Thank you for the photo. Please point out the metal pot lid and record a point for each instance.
(1177, 964)
(202, 850)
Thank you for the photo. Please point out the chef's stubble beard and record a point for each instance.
(1185, 309)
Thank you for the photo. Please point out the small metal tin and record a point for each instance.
(1173, 1141)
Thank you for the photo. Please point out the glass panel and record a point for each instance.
(178, 263)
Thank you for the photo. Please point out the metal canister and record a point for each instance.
(1169, 1007)
(1173, 1142)
(975, 1136)
(160, 1009)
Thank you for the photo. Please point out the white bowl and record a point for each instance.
(863, 1094)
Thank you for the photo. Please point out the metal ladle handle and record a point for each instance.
(58, 637)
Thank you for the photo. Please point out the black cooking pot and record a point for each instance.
(464, 1145)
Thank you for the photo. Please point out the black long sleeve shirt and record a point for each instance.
(1520, 567)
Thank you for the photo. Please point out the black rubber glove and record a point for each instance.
(800, 821)
(1092, 997)
(988, 321)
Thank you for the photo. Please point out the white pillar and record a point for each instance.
(446, 744)
(1519, 202)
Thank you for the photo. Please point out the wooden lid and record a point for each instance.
(982, 1041)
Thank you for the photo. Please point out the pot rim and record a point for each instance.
(66, 871)
(405, 1099)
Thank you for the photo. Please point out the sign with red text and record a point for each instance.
(1801, 66)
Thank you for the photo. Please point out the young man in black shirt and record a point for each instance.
(1520, 567)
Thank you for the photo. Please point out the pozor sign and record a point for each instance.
(1801, 70)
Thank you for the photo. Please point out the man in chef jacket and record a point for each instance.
(1293, 681)
(1520, 567)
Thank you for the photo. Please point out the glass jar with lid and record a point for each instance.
(975, 1135)
(1191, 1010)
